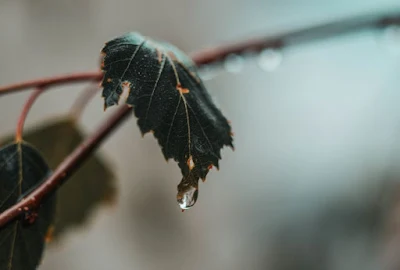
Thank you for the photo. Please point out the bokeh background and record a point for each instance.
(314, 182)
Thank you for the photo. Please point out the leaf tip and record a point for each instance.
(231, 146)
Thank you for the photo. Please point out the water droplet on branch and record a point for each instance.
(270, 59)
(233, 63)
(208, 72)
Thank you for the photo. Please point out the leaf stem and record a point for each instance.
(25, 110)
(70, 164)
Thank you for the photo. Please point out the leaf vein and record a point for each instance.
(172, 124)
(117, 61)
(154, 88)
(9, 266)
(202, 129)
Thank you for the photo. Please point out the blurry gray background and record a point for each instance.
(316, 139)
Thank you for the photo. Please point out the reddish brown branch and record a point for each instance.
(297, 37)
(218, 53)
(47, 82)
(24, 113)
(67, 167)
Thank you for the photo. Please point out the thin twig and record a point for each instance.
(25, 110)
(219, 53)
(52, 81)
(306, 35)
(70, 164)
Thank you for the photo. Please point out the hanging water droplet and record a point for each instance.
(188, 198)
(188, 191)
(269, 59)
(391, 39)
(233, 63)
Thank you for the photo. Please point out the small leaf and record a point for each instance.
(169, 100)
(21, 169)
(89, 187)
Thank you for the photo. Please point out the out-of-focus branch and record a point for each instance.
(219, 53)
(306, 35)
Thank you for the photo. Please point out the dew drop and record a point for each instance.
(188, 191)
(188, 198)
(208, 72)
(269, 59)
(391, 39)
(233, 63)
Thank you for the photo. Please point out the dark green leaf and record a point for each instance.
(92, 185)
(169, 99)
(21, 169)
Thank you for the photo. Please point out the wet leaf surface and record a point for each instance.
(21, 244)
(169, 100)
(90, 187)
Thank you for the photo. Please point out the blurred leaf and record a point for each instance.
(93, 184)
(21, 244)
(169, 100)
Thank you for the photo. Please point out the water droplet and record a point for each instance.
(391, 39)
(188, 191)
(208, 72)
(269, 59)
(188, 198)
(233, 63)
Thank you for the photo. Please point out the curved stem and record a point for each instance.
(27, 106)
(67, 167)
